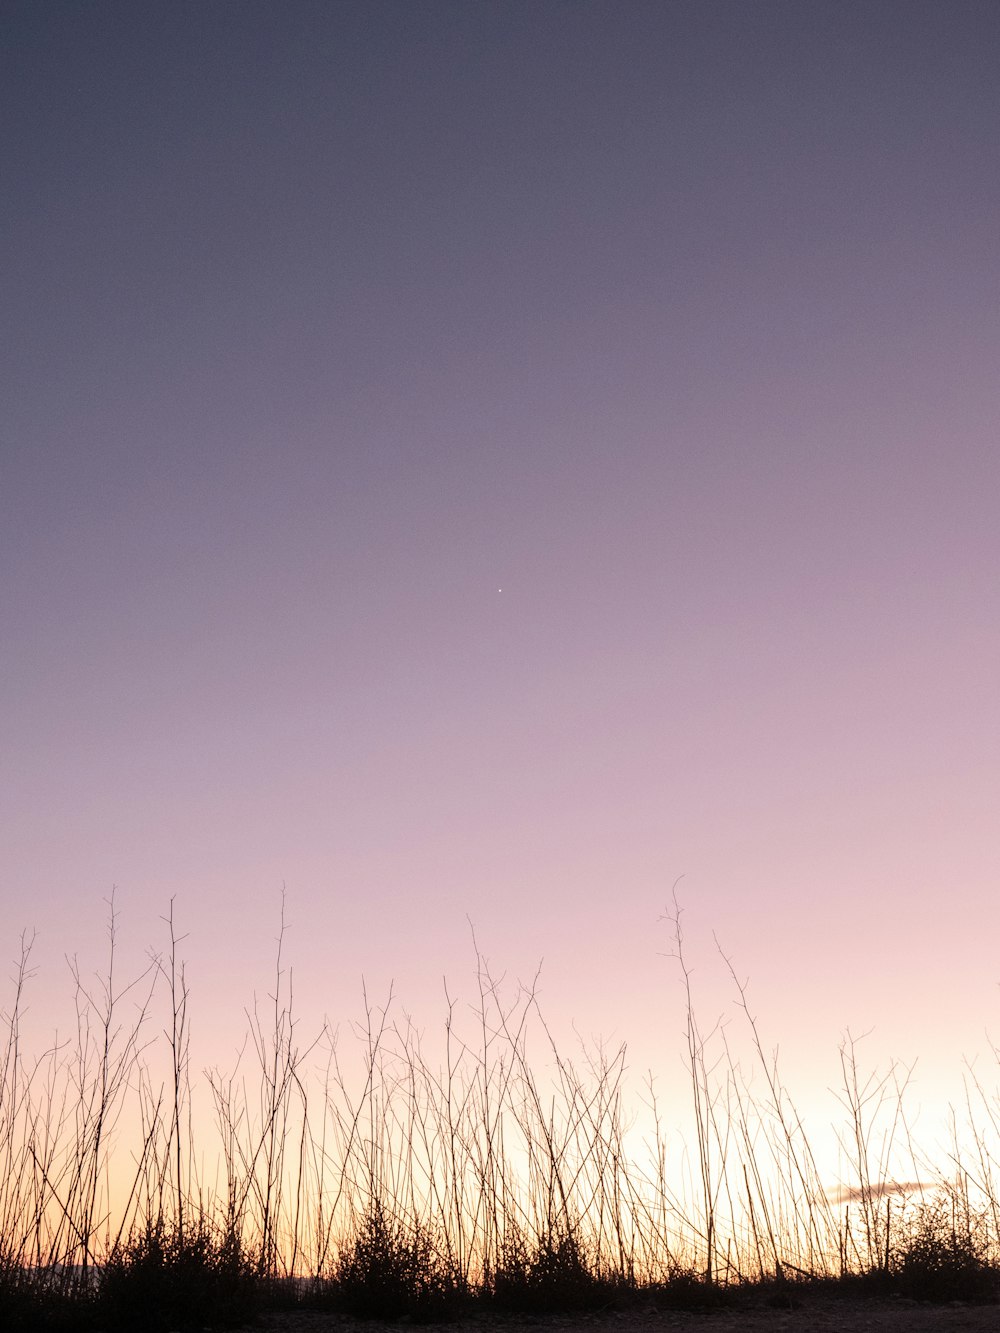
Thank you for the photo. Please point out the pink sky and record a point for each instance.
(678, 324)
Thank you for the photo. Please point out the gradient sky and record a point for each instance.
(323, 323)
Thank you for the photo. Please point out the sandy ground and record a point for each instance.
(823, 1316)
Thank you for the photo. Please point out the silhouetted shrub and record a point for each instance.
(688, 1289)
(941, 1259)
(552, 1276)
(164, 1279)
(389, 1271)
(34, 1300)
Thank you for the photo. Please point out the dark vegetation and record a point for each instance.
(428, 1190)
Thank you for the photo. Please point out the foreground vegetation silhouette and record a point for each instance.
(430, 1189)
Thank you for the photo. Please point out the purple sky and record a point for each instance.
(678, 323)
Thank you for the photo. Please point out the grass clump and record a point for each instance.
(165, 1279)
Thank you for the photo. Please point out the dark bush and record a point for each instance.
(36, 1300)
(941, 1260)
(687, 1288)
(164, 1279)
(389, 1271)
(552, 1276)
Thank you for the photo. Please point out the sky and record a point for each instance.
(472, 466)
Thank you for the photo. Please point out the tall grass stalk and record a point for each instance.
(497, 1165)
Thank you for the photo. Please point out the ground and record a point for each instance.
(811, 1316)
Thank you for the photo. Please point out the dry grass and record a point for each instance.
(422, 1187)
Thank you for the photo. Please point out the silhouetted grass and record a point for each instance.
(421, 1189)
